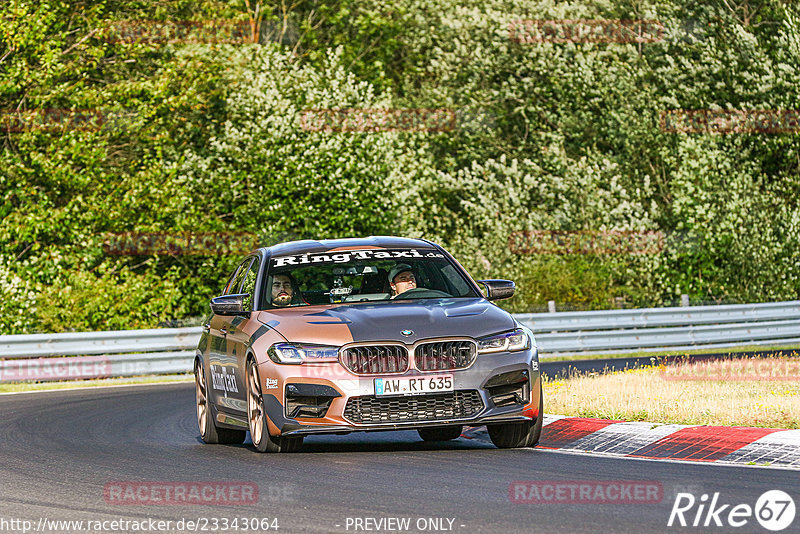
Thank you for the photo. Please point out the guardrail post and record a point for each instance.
(551, 306)
(684, 301)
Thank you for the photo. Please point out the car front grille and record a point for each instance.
(444, 355)
(416, 408)
(375, 359)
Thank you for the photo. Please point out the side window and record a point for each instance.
(230, 281)
(236, 282)
(249, 285)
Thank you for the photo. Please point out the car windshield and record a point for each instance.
(353, 276)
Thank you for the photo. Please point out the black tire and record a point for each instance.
(440, 433)
(209, 431)
(517, 435)
(263, 441)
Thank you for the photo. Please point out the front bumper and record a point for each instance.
(502, 388)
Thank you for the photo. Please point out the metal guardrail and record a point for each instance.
(651, 317)
(105, 366)
(171, 350)
(114, 342)
(682, 338)
(676, 328)
(97, 354)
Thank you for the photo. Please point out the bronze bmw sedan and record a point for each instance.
(346, 335)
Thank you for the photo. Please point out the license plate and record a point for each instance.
(414, 385)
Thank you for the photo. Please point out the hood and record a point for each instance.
(336, 325)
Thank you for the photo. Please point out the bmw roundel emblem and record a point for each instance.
(407, 332)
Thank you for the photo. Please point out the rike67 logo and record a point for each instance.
(774, 510)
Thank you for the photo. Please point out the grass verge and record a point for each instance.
(73, 384)
(759, 392)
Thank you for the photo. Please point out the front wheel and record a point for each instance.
(210, 432)
(517, 435)
(257, 418)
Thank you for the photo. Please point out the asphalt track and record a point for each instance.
(59, 450)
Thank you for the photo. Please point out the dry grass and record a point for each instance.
(739, 397)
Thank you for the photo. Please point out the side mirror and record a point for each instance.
(229, 304)
(498, 289)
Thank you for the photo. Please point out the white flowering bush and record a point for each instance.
(725, 204)
(479, 212)
(268, 173)
(17, 301)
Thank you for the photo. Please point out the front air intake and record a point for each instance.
(414, 408)
(509, 389)
(309, 400)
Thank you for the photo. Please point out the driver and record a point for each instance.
(401, 279)
(282, 290)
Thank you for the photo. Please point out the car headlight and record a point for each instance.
(302, 352)
(508, 342)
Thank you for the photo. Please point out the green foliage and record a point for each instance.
(726, 203)
(548, 136)
(117, 300)
(267, 174)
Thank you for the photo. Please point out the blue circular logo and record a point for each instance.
(406, 332)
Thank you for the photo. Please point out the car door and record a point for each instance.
(239, 340)
(222, 367)
(215, 342)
